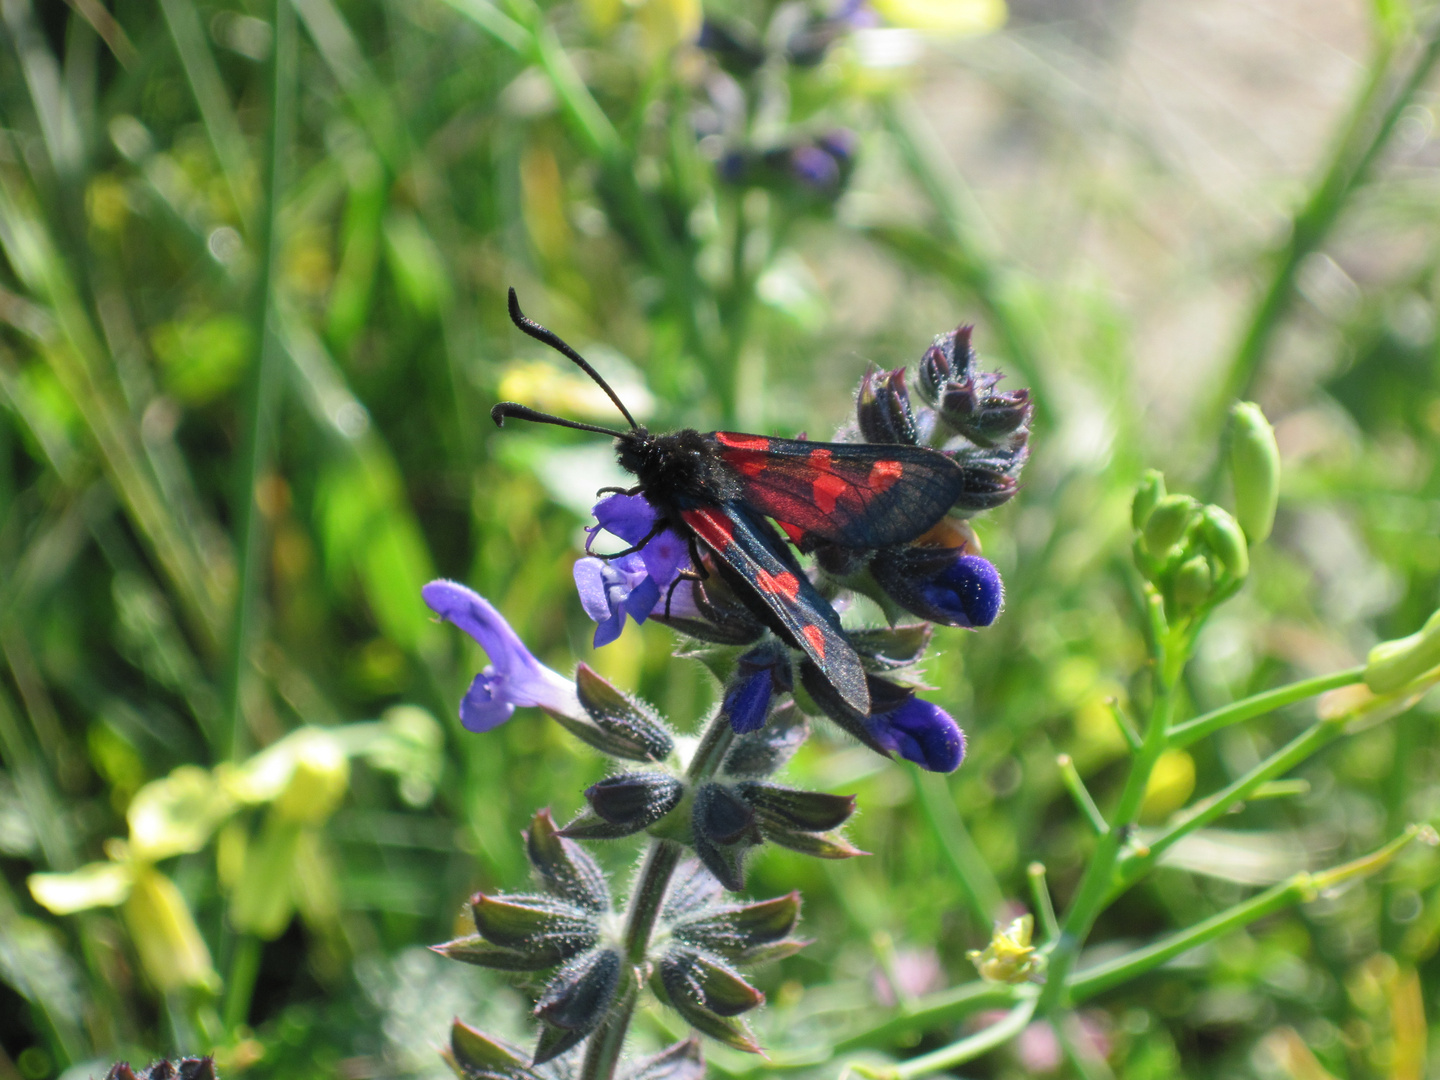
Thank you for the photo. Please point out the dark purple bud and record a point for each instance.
(731, 1032)
(735, 47)
(121, 1071)
(576, 1001)
(882, 408)
(717, 988)
(636, 800)
(986, 486)
(735, 167)
(565, 868)
(943, 585)
(983, 418)
(920, 732)
(763, 752)
(950, 358)
(723, 828)
(682, 1061)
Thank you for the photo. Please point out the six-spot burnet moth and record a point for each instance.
(720, 488)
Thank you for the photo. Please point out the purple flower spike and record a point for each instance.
(513, 677)
(760, 674)
(920, 732)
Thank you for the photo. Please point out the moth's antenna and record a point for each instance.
(523, 412)
(539, 333)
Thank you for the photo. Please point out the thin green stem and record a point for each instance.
(1368, 127)
(1207, 810)
(255, 445)
(978, 883)
(240, 980)
(1040, 898)
(930, 1012)
(1301, 887)
(1191, 731)
(603, 1051)
(957, 1053)
(1070, 777)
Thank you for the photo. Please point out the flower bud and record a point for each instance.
(635, 800)
(1392, 665)
(762, 752)
(1192, 583)
(724, 830)
(1009, 958)
(1148, 493)
(738, 933)
(566, 869)
(473, 1053)
(1223, 536)
(1254, 469)
(620, 726)
(545, 930)
(882, 408)
(576, 1001)
(950, 358)
(943, 585)
(690, 984)
(1167, 523)
(808, 811)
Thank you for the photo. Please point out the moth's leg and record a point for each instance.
(636, 490)
(697, 573)
(655, 530)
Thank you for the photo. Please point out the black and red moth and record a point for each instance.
(719, 489)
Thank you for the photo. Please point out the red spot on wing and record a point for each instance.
(816, 639)
(794, 532)
(826, 489)
(884, 474)
(748, 462)
(715, 528)
(784, 584)
(737, 441)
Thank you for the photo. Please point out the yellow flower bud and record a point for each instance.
(1394, 664)
(1254, 469)
(1171, 782)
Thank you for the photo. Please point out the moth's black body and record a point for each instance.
(719, 488)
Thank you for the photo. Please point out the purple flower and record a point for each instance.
(814, 167)
(610, 590)
(513, 676)
(943, 585)
(759, 675)
(633, 584)
(920, 732)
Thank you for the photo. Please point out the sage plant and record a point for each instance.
(708, 804)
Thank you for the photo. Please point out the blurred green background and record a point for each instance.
(253, 259)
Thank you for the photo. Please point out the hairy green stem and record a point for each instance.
(1191, 731)
(603, 1051)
